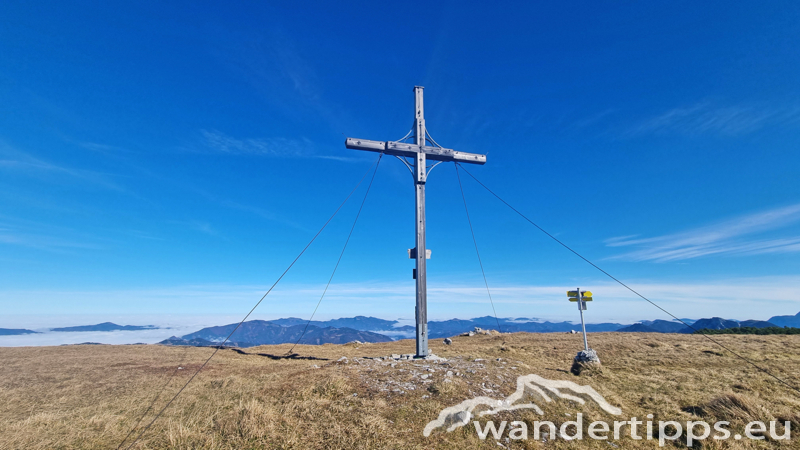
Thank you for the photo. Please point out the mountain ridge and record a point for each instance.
(714, 323)
(15, 331)
(105, 326)
(786, 321)
(369, 329)
(262, 332)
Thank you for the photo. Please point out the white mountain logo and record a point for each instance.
(460, 415)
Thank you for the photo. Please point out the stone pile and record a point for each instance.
(585, 360)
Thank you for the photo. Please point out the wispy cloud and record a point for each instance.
(740, 236)
(593, 119)
(261, 212)
(285, 73)
(197, 225)
(54, 237)
(705, 117)
(283, 219)
(279, 147)
(11, 236)
(15, 160)
(103, 148)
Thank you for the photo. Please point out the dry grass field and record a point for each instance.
(90, 396)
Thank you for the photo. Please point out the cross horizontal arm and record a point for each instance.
(403, 149)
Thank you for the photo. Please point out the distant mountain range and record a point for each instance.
(447, 328)
(357, 323)
(360, 328)
(15, 331)
(656, 326)
(261, 332)
(715, 323)
(371, 329)
(106, 326)
(453, 327)
(786, 321)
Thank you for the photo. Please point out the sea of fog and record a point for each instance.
(168, 326)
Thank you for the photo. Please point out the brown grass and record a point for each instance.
(89, 397)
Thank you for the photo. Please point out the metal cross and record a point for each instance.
(419, 152)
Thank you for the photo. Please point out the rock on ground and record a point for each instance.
(585, 360)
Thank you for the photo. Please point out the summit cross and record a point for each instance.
(419, 152)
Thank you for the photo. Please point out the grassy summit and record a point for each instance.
(89, 397)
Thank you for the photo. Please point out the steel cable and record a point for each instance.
(218, 347)
(767, 372)
(474, 241)
(340, 256)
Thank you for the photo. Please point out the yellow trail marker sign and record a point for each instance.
(574, 294)
(575, 299)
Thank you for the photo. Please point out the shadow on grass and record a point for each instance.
(276, 357)
(557, 370)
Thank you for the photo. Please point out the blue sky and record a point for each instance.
(170, 160)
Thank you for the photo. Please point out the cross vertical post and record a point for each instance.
(420, 152)
(420, 175)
